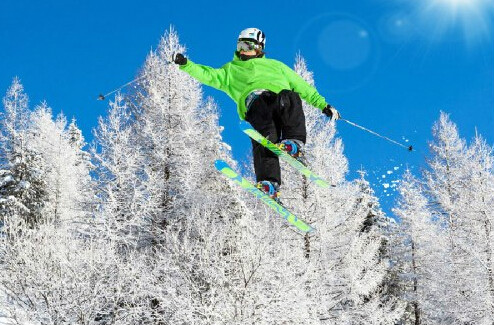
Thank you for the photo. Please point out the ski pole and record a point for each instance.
(409, 148)
(102, 97)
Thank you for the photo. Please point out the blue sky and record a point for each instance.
(391, 66)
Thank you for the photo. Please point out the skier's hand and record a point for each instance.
(179, 59)
(331, 112)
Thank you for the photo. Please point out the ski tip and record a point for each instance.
(305, 230)
(220, 164)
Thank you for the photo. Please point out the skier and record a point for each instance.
(267, 93)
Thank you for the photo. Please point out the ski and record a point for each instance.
(224, 168)
(251, 132)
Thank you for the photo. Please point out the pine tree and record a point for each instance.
(82, 167)
(426, 264)
(450, 192)
(22, 183)
(368, 266)
(13, 122)
(165, 107)
(121, 196)
(66, 171)
(446, 229)
(480, 201)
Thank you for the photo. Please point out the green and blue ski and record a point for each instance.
(251, 132)
(224, 168)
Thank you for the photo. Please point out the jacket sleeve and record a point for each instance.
(209, 76)
(303, 88)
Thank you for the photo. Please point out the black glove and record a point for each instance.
(331, 112)
(179, 59)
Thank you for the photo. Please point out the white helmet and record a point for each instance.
(253, 34)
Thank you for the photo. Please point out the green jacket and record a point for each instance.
(239, 78)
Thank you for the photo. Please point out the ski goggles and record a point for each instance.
(244, 45)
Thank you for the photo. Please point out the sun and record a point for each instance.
(473, 17)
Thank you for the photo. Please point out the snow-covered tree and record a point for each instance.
(65, 171)
(13, 122)
(22, 183)
(480, 201)
(81, 168)
(122, 199)
(348, 248)
(451, 193)
(46, 270)
(197, 213)
(368, 264)
(158, 187)
(426, 270)
(165, 111)
(52, 277)
(447, 233)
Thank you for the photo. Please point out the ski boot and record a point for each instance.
(270, 188)
(294, 148)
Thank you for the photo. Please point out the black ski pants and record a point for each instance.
(277, 117)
